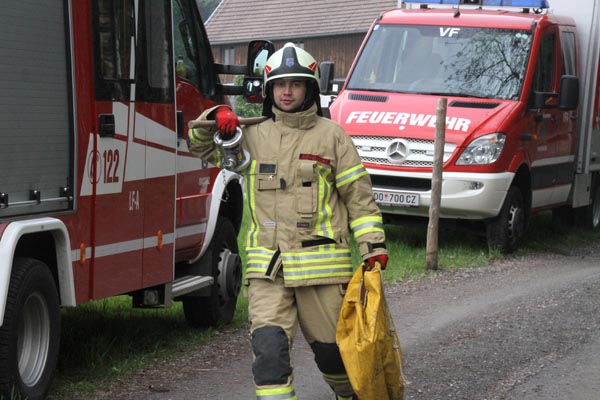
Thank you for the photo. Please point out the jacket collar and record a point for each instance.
(299, 120)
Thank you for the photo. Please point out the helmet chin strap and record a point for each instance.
(309, 97)
(312, 97)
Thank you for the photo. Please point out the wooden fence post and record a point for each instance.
(436, 185)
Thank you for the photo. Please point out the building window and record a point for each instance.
(228, 55)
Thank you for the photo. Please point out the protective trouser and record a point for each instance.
(275, 313)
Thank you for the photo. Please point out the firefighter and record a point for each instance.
(305, 187)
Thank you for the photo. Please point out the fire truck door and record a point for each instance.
(134, 148)
(155, 109)
(566, 135)
(194, 84)
(553, 161)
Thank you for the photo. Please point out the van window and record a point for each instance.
(481, 62)
(545, 66)
(154, 81)
(192, 48)
(568, 46)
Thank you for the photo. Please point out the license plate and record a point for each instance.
(396, 199)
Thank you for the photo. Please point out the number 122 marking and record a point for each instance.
(111, 164)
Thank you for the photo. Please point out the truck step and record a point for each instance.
(190, 283)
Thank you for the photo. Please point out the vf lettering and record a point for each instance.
(449, 32)
(406, 119)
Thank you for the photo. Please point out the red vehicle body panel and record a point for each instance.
(125, 233)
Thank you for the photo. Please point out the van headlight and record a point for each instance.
(483, 150)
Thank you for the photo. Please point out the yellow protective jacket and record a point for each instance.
(305, 185)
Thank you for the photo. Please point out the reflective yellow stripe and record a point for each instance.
(253, 227)
(350, 175)
(323, 225)
(284, 393)
(323, 264)
(361, 226)
(298, 273)
(258, 259)
(317, 276)
(198, 138)
(316, 258)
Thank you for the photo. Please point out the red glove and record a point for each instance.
(371, 262)
(227, 122)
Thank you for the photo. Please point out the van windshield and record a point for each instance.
(447, 61)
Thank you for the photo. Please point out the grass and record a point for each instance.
(105, 339)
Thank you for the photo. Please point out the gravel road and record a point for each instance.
(524, 328)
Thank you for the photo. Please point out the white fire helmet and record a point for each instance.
(290, 62)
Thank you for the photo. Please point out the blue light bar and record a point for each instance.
(501, 3)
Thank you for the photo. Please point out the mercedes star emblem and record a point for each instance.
(397, 151)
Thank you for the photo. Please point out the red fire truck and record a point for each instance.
(522, 122)
(99, 195)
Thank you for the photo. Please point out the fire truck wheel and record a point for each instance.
(505, 232)
(30, 334)
(218, 308)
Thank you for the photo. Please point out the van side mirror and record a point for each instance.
(326, 74)
(568, 94)
(567, 97)
(328, 85)
(259, 52)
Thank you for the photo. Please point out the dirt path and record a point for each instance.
(526, 328)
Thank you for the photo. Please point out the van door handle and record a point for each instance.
(180, 124)
(106, 125)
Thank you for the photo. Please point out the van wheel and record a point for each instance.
(589, 216)
(226, 269)
(30, 334)
(505, 232)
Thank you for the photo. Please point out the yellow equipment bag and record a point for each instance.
(368, 341)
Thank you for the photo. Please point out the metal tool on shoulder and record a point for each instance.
(233, 156)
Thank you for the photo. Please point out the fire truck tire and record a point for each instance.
(30, 334)
(505, 232)
(219, 307)
(589, 216)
